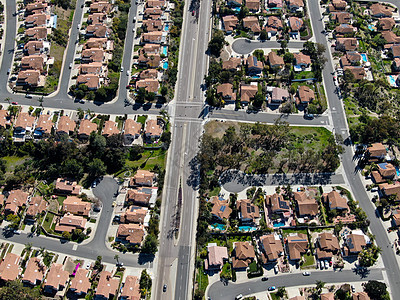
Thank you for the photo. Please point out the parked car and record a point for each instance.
(122, 69)
(321, 264)
(8, 71)
(70, 65)
(14, 103)
(28, 96)
(264, 279)
(272, 288)
(134, 19)
(353, 289)
(326, 264)
(240, 296)
(306, 273)
(276, 270)
(309, 116)
(164, 288)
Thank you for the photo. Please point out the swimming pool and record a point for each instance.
(166, 28)
(165, 65)
(247, 228)
(392, 80)
(218, 226)
(164, 50)
(279, 224)
(397, 171)
(256, 77)
(371, 27)
(364, 57)
(237, 9)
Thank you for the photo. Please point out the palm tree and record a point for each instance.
(42, 250)
(116, 257)
(41, 101)
(320, 285)
(28, 247)
(8, 99)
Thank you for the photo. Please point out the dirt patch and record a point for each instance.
(217, 128)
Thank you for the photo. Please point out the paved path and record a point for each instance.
(246, 46)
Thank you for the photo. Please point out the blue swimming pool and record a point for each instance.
(218, 226)
(237, 9)
(392, 80)
(397, 171)
(371, 27)
(165, 65)
(364, 57)
(166, 28)
(279, 224)
(247, 228)
(164, 50)
(256, 77)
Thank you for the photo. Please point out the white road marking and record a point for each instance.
(74, 247)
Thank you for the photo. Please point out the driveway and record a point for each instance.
(245, 46)
(235, 181)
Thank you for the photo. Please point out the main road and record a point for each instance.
(349, 164)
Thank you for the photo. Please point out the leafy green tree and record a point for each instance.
(376, 290)
(15, 290)
(369, 256)
(66, 235)
(216, 43)
(145, 283)
(96, 168)
(150, 244)
(263, 35)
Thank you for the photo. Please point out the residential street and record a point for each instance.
(221, 292)
(244, 46)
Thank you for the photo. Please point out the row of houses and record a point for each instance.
(151, 57)
(38, 25)
(254, 67)
(56, 279)
(96, 52)
(272, 248)
(136, 214)
(26, 125)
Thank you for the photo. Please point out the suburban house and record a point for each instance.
(92, 55)
(271, 247)
(275, 3)
(345, 30)
(5, 119)
(337, 5)
(275, 61)
(395, 218)
(153, 25)
(57, 279)
(328, 296)
(295, 25)
(389, 189)
(335, 201)
(86, 128)
(134, 214)
(254, 66)
(327, 245)
(243, 254)
(33, 62)
(131, 289)
(351, 58)
(301, 61)
(92, 81)
(132, 129)
(305, 95)
(143, 178)
(36, 33)
(101, 6)
(70, 222)
(95, 68)
(141, 196)
(35, 47)
(155, 37)
(386, 171)
(376, 151)
(80, 284)
(216, 257)
(65, 125)
(253, 5)
(306, 206)
(361, 296)
(357, 71)
(248, 213)
(251, 23)
(24, 124)
(232, 64)
(341, 17)
(379, 10)
(247, 93)
(76, 206)
(148, 74)
(29, 78)
(37, 205)
(221, 210)
(98, 31)
(110, 128)
(274, 24)
(96, 18)
(152, 130)
(107, 287)
(65, 186)
(130, 233)
(150, 85)
(277, 203)
(43, 126)
(226, 92)
(355, 242)
(34, 272)
(15, 200)
(295, 5)
(9, 267)
(297, 244)
(346, 44)
(230, 22)
(278, 95)
(390, 37)
(386, 24)
(35, 8)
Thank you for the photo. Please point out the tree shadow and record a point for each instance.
(145, 258)
(194, 177)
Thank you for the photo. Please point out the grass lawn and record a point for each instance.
(13, 161)
(202, 279)
(253, 267)
(61, 199)
(308, 261)
(304, 74)
(219, 241)
(47, 222)
(274, 296)
(215, 191)
(142, 119)
(312, 137)
(149, 159)
(286, 232)
(226, 271)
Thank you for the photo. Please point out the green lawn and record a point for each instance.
(274, 296)
(61, 199)
(286, 232)
(215, 191)
(253, 267)
(142, 119)
(13, 161)
(47, 222)
(308, 261)
(149, 159)
(226, 271)
(202, 279)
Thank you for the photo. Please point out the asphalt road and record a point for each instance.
(349, 164)
(236, 181)
(264, 117)
(221, 292)
(245, 46)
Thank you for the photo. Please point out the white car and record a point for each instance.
(240, 296)
(306, 273)
(321, 264)
(326, 264)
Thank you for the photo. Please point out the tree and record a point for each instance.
(66, 235)
(320, 285)
(166, 139)
(97, 263)
(144, 283)
(28, 247)
(116, 257)
(150, 244)
(163, 91)
(258, 100)
(96, 168)
(376, 290)
(369, 256)
(216, 43)
(263, 35)
(281, 291)
(15, 290)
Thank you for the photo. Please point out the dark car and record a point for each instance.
(309, 116)
(164, 288)
(264, 279)
(272, 288)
